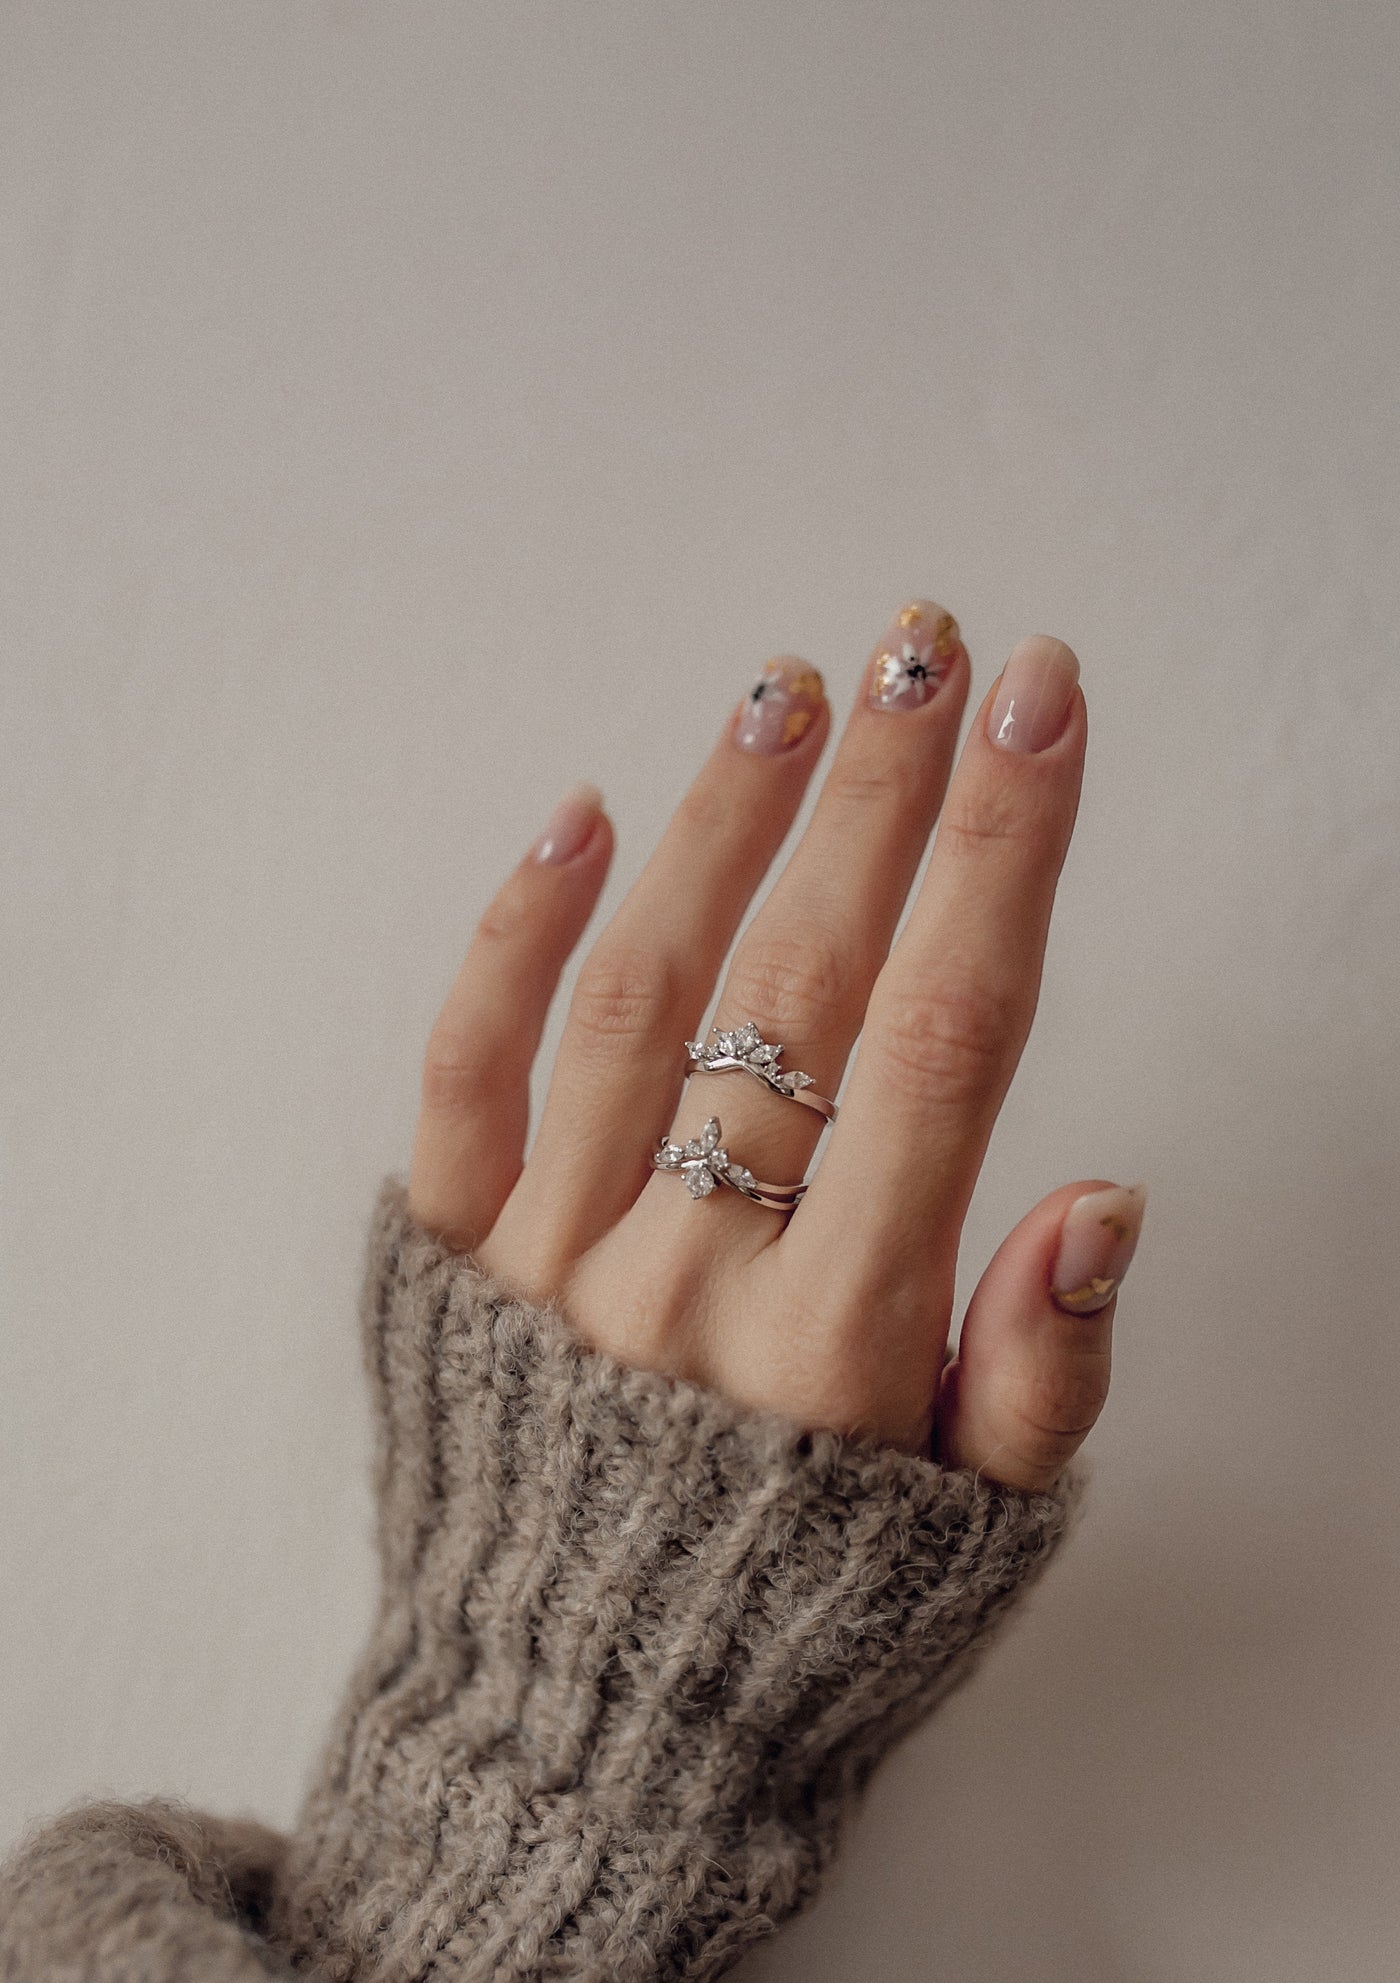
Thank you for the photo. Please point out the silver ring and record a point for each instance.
(704, 1162)
(746, 1048)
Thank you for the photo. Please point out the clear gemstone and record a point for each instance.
(747, 1037)
(765, 1056)
(708, 1137)
(668, 1158)
(741, 1175)
(699, 1180)
(799, 1080)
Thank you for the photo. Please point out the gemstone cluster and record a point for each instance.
(746, 1047)
(703, 1162)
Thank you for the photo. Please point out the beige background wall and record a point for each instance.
(409, 409)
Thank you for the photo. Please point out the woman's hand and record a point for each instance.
(836, 1314)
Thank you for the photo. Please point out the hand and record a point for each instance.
(836, 1314)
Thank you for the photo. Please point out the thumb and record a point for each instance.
(1031, 1373)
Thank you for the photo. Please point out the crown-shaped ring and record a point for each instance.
(745, 1047)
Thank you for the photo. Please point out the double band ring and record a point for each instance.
(703, 1162)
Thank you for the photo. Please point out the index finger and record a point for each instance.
(953, 1005)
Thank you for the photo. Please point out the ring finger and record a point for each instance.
(951, 1010)
(645, 984)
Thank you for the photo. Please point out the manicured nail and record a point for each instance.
(781, 707)
(916, 651)
(1097, 1241)
(569, 825)
(1034, 694)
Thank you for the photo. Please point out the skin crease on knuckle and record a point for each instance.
(795, 982)
(1059, 1400)
(623, 1001)
(891, 783)
(458, 1077)
(947, 1044)
(990, 820)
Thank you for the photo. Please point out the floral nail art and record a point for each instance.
(914, 657)
(781, 707)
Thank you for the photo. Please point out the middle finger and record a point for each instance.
(804, 968)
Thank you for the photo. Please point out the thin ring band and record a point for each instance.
(704, 1162)
(746, 1048)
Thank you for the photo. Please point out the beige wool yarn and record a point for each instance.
(636, 1653)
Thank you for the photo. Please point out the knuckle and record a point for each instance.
(891, 782)
(799, 983)
(978, 826)
(457, 1077)
(623, 994)
(947, 1042)
(1060, 1407)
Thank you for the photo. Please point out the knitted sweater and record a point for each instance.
(636, 1652)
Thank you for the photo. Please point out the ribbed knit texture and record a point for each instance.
(637, 1651)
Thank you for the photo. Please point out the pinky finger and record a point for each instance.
(469, 1147)
(1032, 1369)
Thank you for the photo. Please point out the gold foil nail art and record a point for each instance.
(914, 657)
(1092, 1296)
(781, 707)
(1097, 1239)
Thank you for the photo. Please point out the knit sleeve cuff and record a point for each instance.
(637, 1647)
(153, 1892)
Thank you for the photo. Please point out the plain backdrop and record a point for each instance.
(411, 409)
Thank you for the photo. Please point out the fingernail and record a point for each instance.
(781, 707)
(569, 825)
(915, 653)
(1034, 695)
(1097, 1241)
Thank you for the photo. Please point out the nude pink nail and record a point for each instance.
(1097, 1242)
(568, 827)
(915, 654)
(781, 707)
(1033, 698)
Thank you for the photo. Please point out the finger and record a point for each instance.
(1032, 1369)
(803, 969)
(470, 1140)
(644, 986)
(951, 1010)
